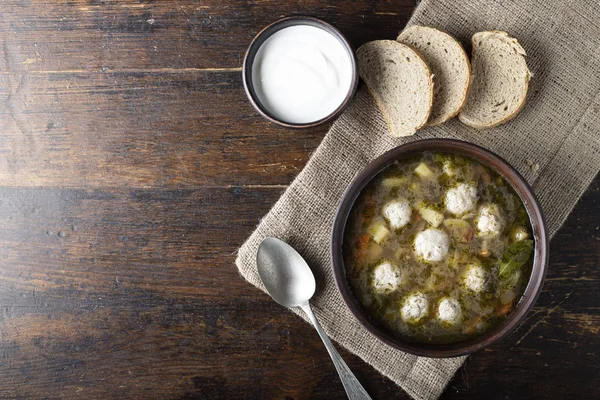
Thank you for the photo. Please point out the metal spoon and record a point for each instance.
(291, 283)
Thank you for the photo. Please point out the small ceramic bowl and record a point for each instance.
(264, 35)
(540, 263)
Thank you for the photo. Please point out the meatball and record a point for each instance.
(461, 199)
(414, 308)
(476, 279)
(449, 311)
(397, 213)
(432, 245)
(490, 221)
(386, 277)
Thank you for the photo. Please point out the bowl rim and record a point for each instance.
(267, 32)
(519, 185)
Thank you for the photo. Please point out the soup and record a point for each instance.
(438, 248)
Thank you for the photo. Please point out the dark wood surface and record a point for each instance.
(131, 169)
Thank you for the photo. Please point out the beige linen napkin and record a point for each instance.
(558, 129)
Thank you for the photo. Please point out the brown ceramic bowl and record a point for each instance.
(536, 217)
(264, 35)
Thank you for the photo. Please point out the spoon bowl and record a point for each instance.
(285, 274)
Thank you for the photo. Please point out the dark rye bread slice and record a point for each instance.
(499, 81)
(449, 65)
(400, 81)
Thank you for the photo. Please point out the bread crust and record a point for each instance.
(519, 50)
(383, 110)
(467, 61)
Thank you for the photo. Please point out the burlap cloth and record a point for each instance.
(559, 129)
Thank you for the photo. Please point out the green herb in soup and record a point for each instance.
(438, 248)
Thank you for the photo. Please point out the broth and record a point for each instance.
(438, 248)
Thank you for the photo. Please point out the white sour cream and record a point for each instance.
(301, 74)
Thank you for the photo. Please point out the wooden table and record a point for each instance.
(132, 167)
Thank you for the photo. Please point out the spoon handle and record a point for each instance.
(353, 388)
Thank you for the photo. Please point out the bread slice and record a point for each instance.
(400, 81)
(499, 81)
(449, 65)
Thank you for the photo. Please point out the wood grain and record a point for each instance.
(139, 129)
(140, 294)
(171, 35)
(131, 169)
